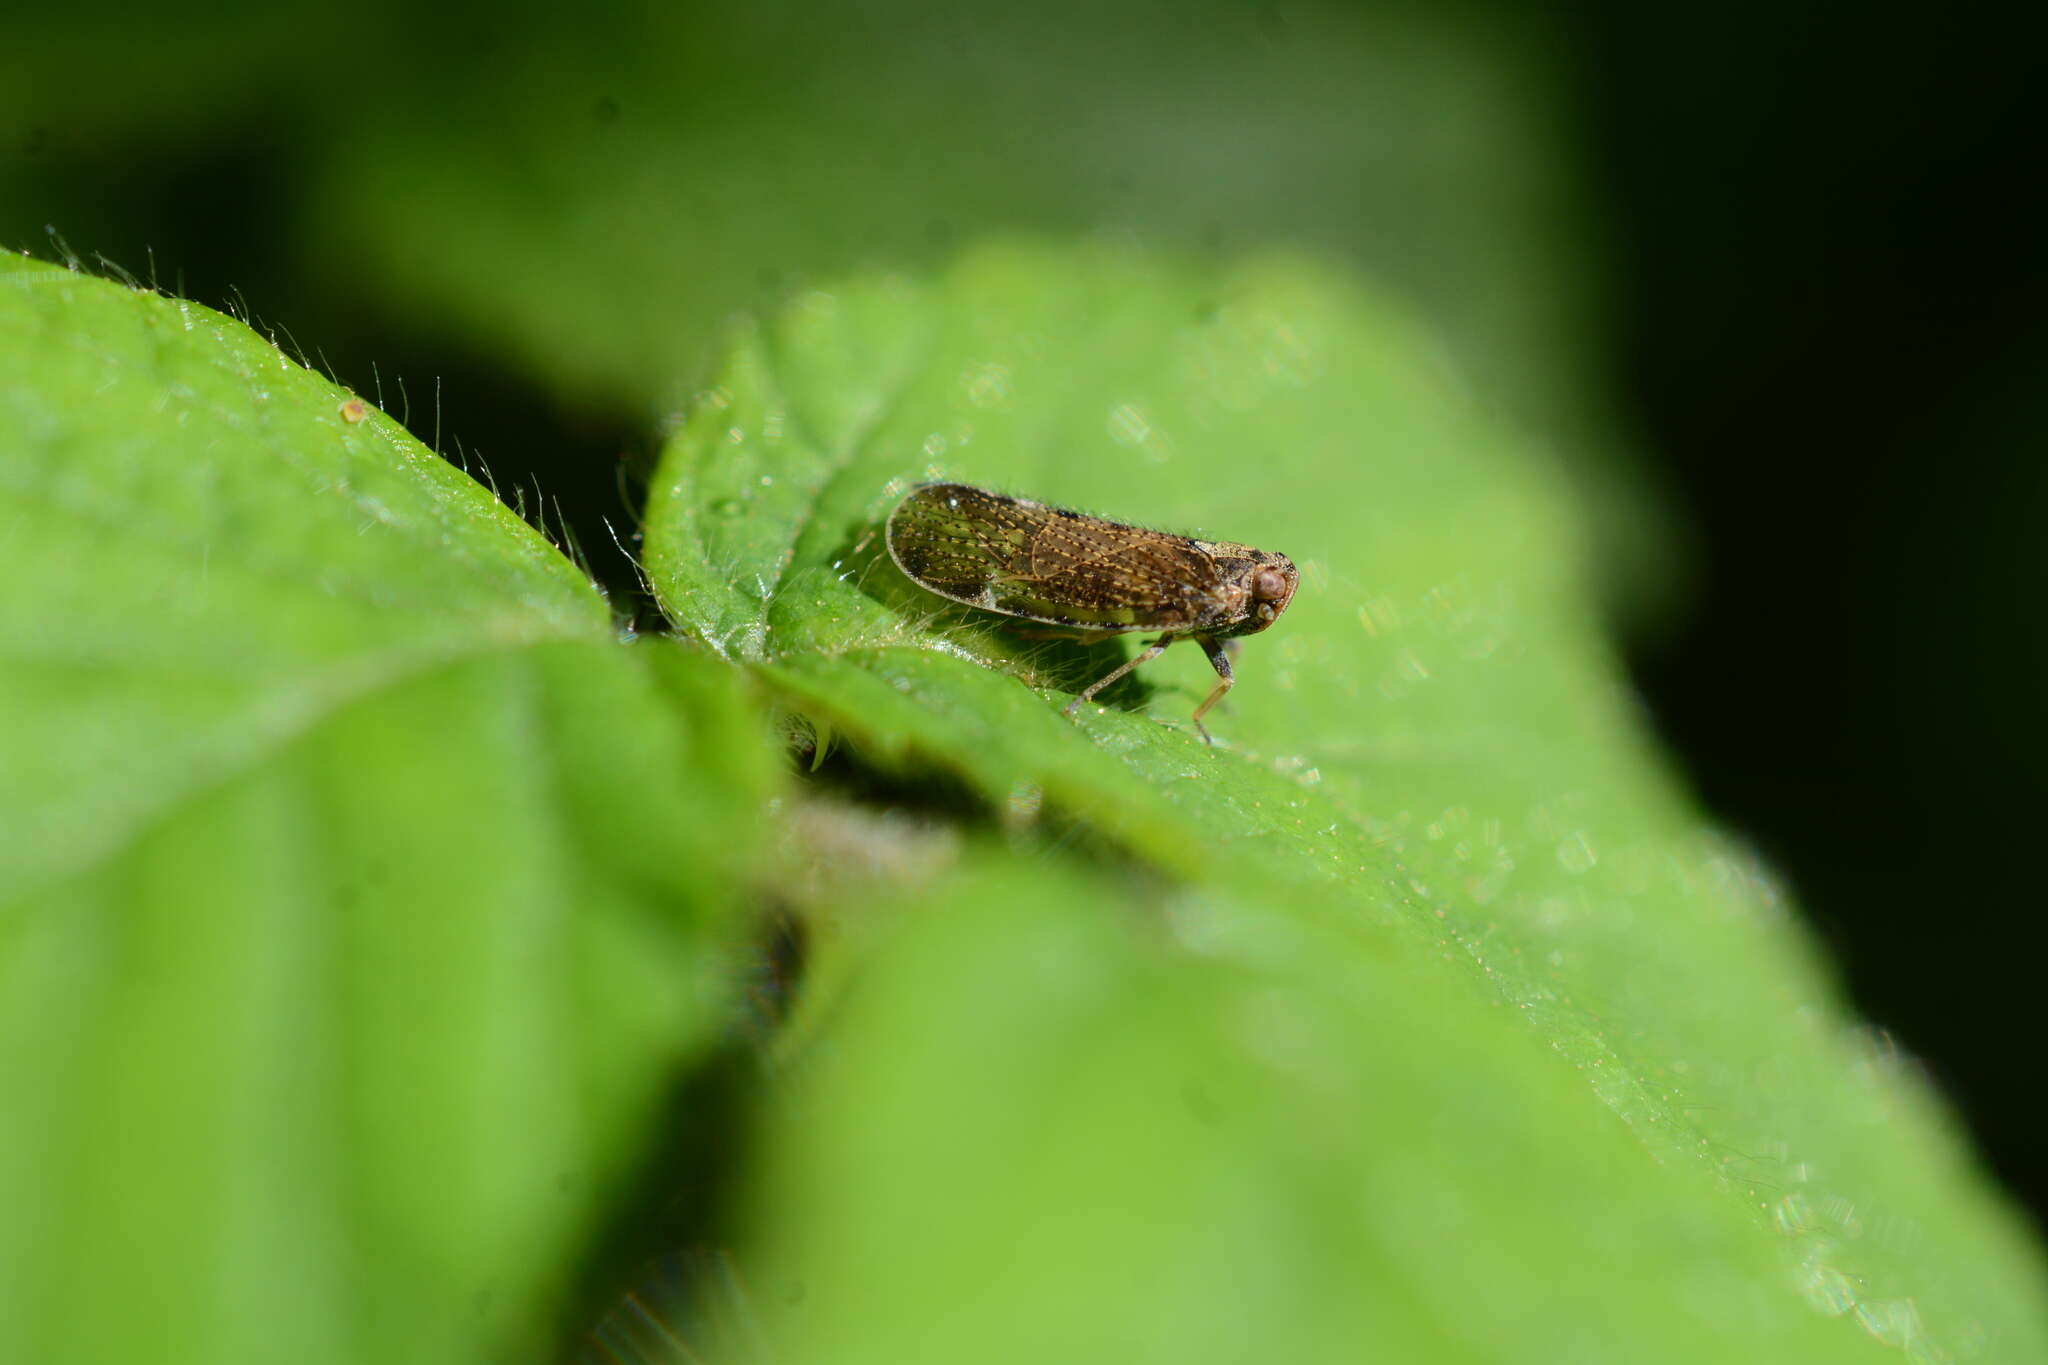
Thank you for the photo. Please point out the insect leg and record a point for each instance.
(1143, 656)
(1219, 658)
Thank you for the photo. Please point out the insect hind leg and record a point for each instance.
(1143, 656)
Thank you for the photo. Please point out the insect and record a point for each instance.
(1088, 577)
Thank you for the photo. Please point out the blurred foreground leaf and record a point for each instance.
(1210, 1130)
(1450, 1032)
(358, 890)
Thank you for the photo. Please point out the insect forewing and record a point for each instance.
(1026, 559)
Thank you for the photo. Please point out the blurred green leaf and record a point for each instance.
(1430, 757)
(1054, 1126)
(576, 199)
(643, 175)
(359, 891)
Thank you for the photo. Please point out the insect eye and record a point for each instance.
(1268, 585)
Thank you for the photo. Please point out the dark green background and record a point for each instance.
(1771, 261)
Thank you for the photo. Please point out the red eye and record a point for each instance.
(1269, 585)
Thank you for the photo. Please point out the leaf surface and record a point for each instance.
(1432, 755)
(354, 908)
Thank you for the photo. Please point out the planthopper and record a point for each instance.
(1084, 576)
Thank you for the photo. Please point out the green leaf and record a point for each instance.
(359, 891)
(1049, 1128)
(1431, 753)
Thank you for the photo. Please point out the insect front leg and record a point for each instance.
(1219, 659)
(1143, 656)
